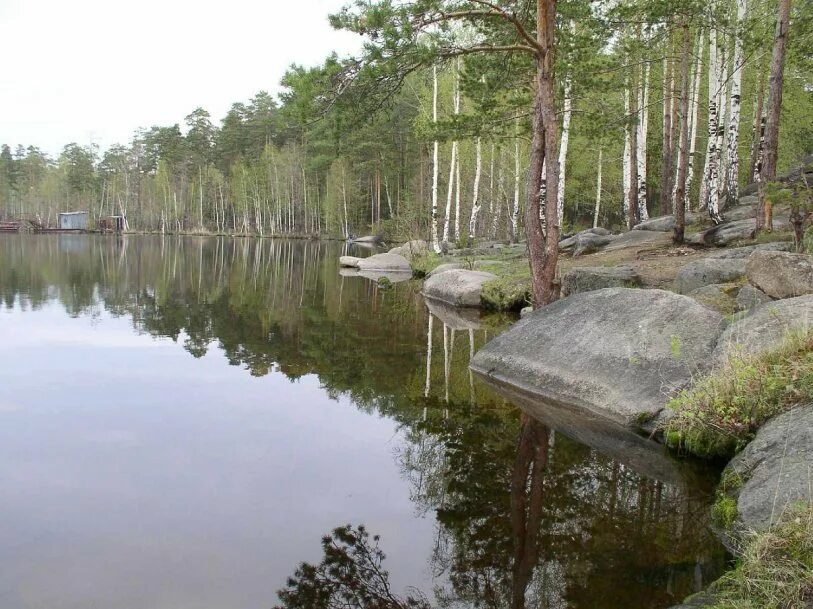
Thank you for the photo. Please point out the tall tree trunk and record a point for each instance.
(683, 141)
(475, 197)
(758, 130)
(732, 173)
(666, 155)
(633, 214)
(515, 210)
(449, 193)
(643, 124)
(543, 247)
(435, 242)
(694, 112)
(457, 160)
(625, 166)
(774, 109)
(598, 191)
(710, 180)
(567, 112)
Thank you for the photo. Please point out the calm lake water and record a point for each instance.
(182, 419)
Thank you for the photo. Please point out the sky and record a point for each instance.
(97, 70)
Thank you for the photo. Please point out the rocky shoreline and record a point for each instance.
(617, 346)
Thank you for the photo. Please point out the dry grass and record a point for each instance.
(775, 570)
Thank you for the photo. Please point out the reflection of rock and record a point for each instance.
(367, 239)
(386, 263)
(454, 317)
(457, 287)
(707, 271)
(392, 276)
(617, 352)
(646, 457)
(774, 469)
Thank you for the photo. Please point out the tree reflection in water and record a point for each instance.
(521, 520)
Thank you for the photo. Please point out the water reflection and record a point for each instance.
(529, 506)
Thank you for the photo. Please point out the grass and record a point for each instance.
(424, 264)
(775, 570)
(721, 413)
(511, 290)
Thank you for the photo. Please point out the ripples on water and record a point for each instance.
(182, 419)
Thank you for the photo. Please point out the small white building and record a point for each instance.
(73, 220)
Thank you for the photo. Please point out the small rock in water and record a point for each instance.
(349, 261)
(457, 287)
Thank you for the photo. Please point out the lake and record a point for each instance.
(183, 418)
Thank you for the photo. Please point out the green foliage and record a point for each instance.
(721, 412)
(775, 570)
(423, 264)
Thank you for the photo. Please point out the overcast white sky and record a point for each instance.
(73, 70)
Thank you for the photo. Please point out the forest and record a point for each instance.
(431, 130)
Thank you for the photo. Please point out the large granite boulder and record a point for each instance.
(708, 271)
(586, 279)
(781, 274)
(349, 261)
(773, 472)
(616, 352)
(717, 296)
(661, 224)
(585, 242)
(764, 327)
(457, 287)
(749, 297)
(725, 233)
(411, 249)
(442, 268)
(387, 263)
(745, 252)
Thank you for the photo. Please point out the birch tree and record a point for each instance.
(475, 191)
(643, 121)
(435, 168)
(598, 190)
(694, 113)
(732, 173)
(709, 193)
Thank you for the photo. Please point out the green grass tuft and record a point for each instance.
(424, 264)
(775, 570)
(720, 414)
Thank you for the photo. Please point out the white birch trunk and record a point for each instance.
(475, 197)
(627, 154)
(567, 112)
(643, 120)
(449, 193)
(694, 112)
(714, 165)
(708, 189)
(515, 210)
(598, 191)
(457, 160)
(435, 243)
(732, 174)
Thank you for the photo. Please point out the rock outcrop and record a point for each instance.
(708, 271)
(765, 326)
(587, 279)
(385, 263)
(457, 287)
(749, 297)
(616, 352)
(349, 262)
(774, 471)
(717, 296)
(411, 249)
(781, 274)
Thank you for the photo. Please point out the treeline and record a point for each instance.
(345, 149)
